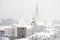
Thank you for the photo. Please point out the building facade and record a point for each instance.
(20, 32)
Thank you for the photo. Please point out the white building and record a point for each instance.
(9, 31)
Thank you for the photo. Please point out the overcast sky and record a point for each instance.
(49, 9)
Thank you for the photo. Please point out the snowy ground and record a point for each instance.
(23, 39)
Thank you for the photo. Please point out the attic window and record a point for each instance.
(19, 28)
(23, 28)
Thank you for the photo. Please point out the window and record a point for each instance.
(23, 36)
(44, 39)
(19, 28)
(23, 28)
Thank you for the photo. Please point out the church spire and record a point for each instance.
(36, 7)
(36, 14)
(37, 11)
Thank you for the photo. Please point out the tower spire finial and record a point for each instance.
(36, 7)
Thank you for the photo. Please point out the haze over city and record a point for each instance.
(29, 19)
(48, 9)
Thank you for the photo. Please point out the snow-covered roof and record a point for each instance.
(23, 39)
(28, 26)
(4, 27)
(40, 34)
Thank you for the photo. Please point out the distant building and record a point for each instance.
(29, 31)
(10, 32)
(2, 33)
(20, 32)
(8, 22)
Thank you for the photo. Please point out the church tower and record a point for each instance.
(34, 20)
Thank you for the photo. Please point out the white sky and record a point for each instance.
(49, 9)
